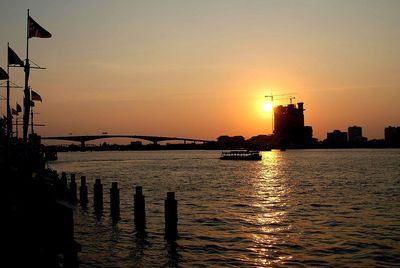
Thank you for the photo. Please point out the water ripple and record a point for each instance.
(301, 208)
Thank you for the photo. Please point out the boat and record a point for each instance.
(241, 155)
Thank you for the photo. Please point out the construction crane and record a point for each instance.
(291, 98)
(271, 96)
(281, 97)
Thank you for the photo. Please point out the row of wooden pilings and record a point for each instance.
(71, 193)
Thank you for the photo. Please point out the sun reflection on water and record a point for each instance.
(270, 191)
(290, 209)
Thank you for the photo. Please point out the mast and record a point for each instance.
(32, 119)
(27, 93)
(16, 126)
(9, 116)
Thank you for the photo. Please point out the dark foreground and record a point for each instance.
(38, 225)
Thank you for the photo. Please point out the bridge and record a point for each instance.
(154, 139)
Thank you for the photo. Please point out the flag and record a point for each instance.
(13, 58)
(35, 30)
(3, 74)
(36, 97)
(19, 109)
(13, 111)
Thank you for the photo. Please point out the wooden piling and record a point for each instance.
(114, 200)
(72, 189)
(65, 235)
(83, 192)
(98, 195)
(139, 209)
(62, 186)
(171, 217)
(64, 178)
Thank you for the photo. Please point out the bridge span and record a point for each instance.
(154, 139)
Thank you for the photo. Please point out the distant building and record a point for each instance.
(336, 138)
(136, 143)
(355, 135)
(289, 125)
(392, 135)
(262, 141)
(227, 139)
(308, 132)
(231, 142)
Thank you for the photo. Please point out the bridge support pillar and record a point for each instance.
(82, 145)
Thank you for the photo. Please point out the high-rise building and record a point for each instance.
(355, 134)
(289, 124)
(392, 135)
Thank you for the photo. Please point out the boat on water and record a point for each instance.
(241, 155)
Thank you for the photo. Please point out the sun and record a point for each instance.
(267, 107)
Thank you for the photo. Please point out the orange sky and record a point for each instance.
(201, 69)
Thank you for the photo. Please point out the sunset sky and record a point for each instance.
(200, 69)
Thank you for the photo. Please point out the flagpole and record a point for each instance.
(27, 95)
(32, 119)
(9, 117)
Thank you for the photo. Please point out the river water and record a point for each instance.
(297, 207)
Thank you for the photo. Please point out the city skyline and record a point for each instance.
(202, 70)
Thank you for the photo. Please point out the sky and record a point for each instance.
(201, 69)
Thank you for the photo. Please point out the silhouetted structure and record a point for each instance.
(39, 225)
(336, 138)
(73, 190)
(171, 217)
(98, 196)
(232, 142)
(154, 139)
(83, 192)
(114, 201)
(139, 209)
(392, 136)
(289, 126)
(289, 131)
(261, 142)
(355, 136)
